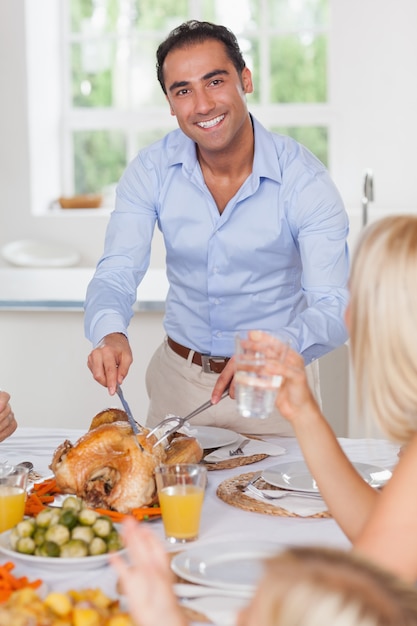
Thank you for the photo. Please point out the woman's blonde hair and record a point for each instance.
(383, 324)
(315, 586)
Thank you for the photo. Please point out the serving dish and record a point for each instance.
(51, 563)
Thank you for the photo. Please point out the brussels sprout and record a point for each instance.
(85, 533)
(103, 526)
(75, 548)
(48, 548)
(114, 541)
(68, 518)
(97, 546)
(43, 519)
(39, 536)
(26, 528)
(87, 517)
(25, 545)
(14, 538)
(58, 534)
(72, 502)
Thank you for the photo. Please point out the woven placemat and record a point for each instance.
(231, 492)
(235, 461)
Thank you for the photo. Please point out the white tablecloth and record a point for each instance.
(220, 521)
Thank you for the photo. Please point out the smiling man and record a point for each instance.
(255, 235)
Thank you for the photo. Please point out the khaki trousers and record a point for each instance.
(177, 386)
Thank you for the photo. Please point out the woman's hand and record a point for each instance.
(147, 579)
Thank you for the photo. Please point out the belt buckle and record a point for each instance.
(206, 362)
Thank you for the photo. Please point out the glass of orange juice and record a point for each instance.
(13, 483)
(181, 493)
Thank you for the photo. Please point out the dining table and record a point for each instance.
(221, 522)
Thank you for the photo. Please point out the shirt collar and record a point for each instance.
(265, 163)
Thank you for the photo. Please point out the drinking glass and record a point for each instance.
(181, 490)
(13, 483)
(256, 389)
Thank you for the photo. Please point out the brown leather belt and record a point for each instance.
(210, 364)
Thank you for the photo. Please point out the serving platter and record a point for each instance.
(296, 476)
(52, 563)
(236, 565)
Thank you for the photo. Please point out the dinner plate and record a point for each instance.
(296, 476)
(33, 253)
(52, 563)
(212, 437)
(236, 565)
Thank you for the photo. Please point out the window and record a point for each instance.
(113, 104)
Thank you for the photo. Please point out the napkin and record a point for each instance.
(297, 504)
(255, 446)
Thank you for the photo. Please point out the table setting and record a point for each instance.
(222, 523)
(217, 521)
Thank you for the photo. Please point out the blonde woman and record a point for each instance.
(300, 587)
(382, 320)
(8, 422)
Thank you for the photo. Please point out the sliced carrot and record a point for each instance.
(144, 512)
(140, 513)
(10, 583)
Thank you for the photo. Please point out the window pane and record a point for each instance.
(94, 17)
(99, 159)
(238, 15)
(145, 139)
(251, 54)
(298, 14)
(143, 83)
(315, 138)
(298, 68)
(163, 15)
(92, 65)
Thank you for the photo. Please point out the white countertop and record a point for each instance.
(64, 289)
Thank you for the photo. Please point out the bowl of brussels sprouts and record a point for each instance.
(71, 536)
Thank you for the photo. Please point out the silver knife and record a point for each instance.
(253, 480)
(130, 417)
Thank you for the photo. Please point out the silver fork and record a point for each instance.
(280, 494)
(177, 422)
(239, 449)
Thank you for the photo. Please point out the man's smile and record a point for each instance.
(211, 123)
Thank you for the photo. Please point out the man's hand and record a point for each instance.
(224, 381)
(110, 361)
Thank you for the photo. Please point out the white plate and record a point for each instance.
(296, 476)
(212, 437)
(227, 565)
(32, 253)
(51, 563)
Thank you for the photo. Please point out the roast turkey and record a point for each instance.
(109, 470)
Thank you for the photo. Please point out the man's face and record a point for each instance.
(207, 95)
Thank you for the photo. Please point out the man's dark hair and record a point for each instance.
(192, 32)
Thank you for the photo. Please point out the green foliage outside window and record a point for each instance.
(112, 55)
(99, 159)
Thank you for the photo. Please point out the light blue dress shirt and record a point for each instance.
(275, 259)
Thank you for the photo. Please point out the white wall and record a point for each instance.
(46, 372)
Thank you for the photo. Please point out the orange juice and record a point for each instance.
(181, 510)
(12, 506)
